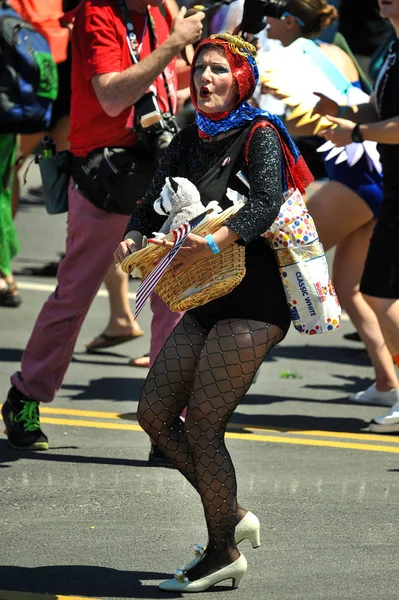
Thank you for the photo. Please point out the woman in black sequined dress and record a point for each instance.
(209, 362)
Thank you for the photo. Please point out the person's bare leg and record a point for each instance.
(60, 133)
(3, 282)
(350, 256)
(387, 311)
(121, 320)
(337, 211)
(27, 144)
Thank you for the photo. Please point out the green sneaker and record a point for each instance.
(23, 426)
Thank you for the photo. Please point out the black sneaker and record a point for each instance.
(23, 425)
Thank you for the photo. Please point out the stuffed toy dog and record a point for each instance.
(180, 201)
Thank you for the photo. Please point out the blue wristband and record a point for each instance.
(212, 243)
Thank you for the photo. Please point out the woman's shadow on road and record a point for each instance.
(81, 580)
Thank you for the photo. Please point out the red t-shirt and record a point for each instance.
(99, 46)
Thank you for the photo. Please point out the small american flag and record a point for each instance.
(148, 284)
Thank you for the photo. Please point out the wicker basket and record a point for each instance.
(201, 282)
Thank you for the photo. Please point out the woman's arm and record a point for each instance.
(362, 113)
(196, 247)
(131, 243)
(256, 216)
(266, 190)
(383, 132)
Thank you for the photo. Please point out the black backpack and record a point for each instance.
(28, 75)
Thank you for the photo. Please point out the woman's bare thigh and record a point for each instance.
(337, 212)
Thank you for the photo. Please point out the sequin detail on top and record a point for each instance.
(264, 174)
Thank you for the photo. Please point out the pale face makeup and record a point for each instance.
(213, 82)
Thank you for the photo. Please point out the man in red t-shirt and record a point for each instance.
(105, 86)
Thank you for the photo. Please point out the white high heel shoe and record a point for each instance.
(247, 529)
(181, 583)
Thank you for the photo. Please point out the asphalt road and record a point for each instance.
(90, 518)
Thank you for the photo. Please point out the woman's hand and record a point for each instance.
(193, 249)
(325, 106)
(124, 249)
(341, 135)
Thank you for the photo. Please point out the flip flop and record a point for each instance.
(107, 341)
(142, 361)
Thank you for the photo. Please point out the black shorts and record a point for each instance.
(260, 295)
(381, 272)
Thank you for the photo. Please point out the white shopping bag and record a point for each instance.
(311, 298)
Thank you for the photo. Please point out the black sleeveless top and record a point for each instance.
(387, 94)
(213, 168)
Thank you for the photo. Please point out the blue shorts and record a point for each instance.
(364, 182)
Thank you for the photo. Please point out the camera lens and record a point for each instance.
(275, 8)
(162, 142)
(253, 18)
(255, 11)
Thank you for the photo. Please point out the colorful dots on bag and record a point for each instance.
(311, 299)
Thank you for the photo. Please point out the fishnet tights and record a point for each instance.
(208, 372)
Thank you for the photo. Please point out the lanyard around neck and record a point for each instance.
(132, 41)
(135, 47)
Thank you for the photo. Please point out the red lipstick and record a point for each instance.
(204, 92)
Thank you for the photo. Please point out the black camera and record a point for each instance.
(154, 129)
(256, 11)
(275, 8)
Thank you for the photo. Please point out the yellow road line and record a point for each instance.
(250, 432)
(246, 427)
(373, 437)
(48, 287)
(323, 443)
(7, 595)
(78, 413)
(252, 437)
(94, 424)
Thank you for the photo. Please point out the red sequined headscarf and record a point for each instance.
(241, 58)
(245, 75)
